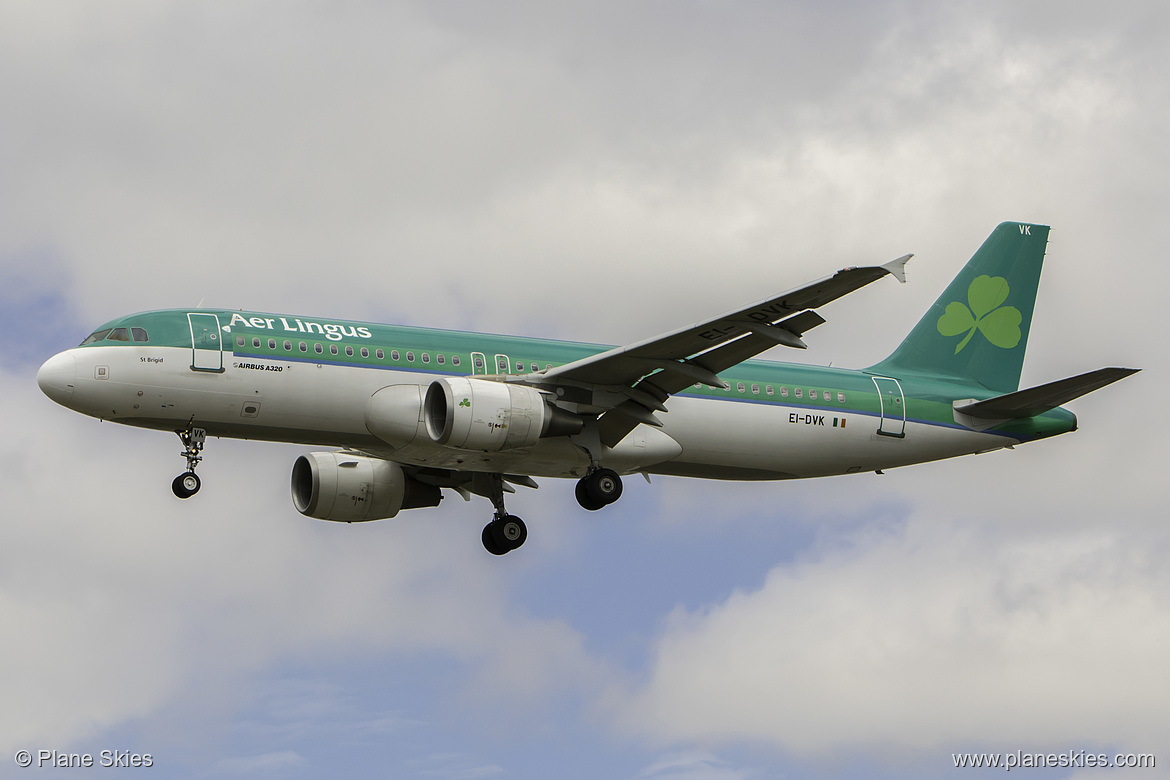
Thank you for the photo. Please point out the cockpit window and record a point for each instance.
(139, 334)
(118, 334)
(97, 335)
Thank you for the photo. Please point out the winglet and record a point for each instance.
(898, 267)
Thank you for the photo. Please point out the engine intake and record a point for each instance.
(347, 487)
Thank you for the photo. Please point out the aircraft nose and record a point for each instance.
(57, 377)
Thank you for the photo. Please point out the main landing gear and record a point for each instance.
(505, 532)
(599, 488)
(187, 484)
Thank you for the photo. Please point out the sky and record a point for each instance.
(599, 172)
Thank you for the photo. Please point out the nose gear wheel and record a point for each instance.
(187, 484)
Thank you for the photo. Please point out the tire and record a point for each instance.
(510, 532)
(583, 497)
(488, 537)
(604, 486)
(185, 485)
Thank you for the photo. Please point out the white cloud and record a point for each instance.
(693, 765)
(946, 634)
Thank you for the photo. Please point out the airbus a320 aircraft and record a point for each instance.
(415, 410)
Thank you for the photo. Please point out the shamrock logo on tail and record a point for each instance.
(999, 324)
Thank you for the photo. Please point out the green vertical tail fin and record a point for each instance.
(978, 328)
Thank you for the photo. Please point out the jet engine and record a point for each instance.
(473, 414)
(348, 487)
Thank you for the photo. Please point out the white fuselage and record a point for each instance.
(325, 404)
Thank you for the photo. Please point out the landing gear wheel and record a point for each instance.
(185, 485)
(583, 497)
(511, 531)
(603, 486)
(488, 537)
(504, 534)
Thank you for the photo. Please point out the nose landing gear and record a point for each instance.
(187, 484)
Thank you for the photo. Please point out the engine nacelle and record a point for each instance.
(350, 488)
(474, 414)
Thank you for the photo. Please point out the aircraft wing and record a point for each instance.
(639, 378)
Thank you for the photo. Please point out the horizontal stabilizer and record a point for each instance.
(1037, 400)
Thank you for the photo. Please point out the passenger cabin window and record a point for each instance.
(841, 397)
(139, 334)
(783, 392)
(349, 351)
(440, 359)
(256, 342)
(239, 341)
(118, 334)
(739, 387)
(454, 360)
(97, 335)
(332, 349)
(478, 361)
(768, 389)
(318, 348)
(303, 347)
(287, 345)
(394, 355)
(798, 394)
(755, 389)
(409, 357)
(426, 357)
(272, 343)
(365, 352)
(380, 354)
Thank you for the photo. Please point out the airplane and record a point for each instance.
(411, 411)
